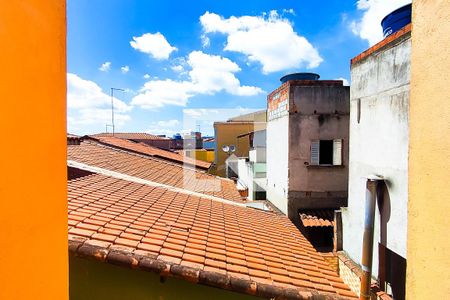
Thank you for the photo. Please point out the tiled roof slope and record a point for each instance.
(201, 240)
(152, 151)
(317, 217)
(132, 136)
(152, 169)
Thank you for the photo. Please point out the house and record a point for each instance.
(226, 135)
(143, 148)
(135, 230)
(124, 159)
(251, 170)
(142, 137)
(378, 174)
(307, 152)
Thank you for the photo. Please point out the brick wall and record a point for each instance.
(350, 278)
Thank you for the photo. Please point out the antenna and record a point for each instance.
(112, 108)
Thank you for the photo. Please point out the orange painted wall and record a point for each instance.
(33, 212)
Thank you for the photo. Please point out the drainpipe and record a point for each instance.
(371, 196)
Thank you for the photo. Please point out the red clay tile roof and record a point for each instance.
(317, 217)
(131, 136)
(200, 240)
(152, 151)
(153, 169)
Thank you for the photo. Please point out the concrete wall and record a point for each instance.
(101, 281)
(428, 267)
(277, 162)
(379, 145)
(33, 177)
(317, 113)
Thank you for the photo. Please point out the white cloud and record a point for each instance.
(155, 45)
(105, 67)
(168, 123)
(89, 108)
(345, 81)
(158, 93)
(369, 26)
(164, 127)
(209, 74)
(177, 68)
(146, 76)
(205, 41)
(289, 11)
(125, 69)
(268, 39)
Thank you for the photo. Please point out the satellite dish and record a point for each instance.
(225, 148)
(232, 148)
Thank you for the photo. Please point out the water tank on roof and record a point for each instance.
(299, 76)
(177, 136)
(396, 20)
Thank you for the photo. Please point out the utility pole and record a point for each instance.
(112, 106)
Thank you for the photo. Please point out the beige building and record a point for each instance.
(227, 133)
(428, 267)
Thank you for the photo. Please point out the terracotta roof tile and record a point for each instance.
(131, 136)
(142, 148)
(199, 254)
(317, 218)
(152, 169)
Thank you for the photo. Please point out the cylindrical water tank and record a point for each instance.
(299, 76)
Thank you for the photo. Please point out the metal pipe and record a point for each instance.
(367, 251)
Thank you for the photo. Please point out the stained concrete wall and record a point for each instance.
(277, 162)
(428, 275)
(379, 145)
(318, 112)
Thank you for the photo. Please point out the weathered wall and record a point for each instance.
(277, 162)
(428, 267)
(317, 113)
(33, 206)
(101, 281)
(379, 145)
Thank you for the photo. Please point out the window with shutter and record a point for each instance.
(337, 152)
(315, 145)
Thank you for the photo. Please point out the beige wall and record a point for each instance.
(226, 133)
(428, 275)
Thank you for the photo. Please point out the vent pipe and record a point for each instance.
(367, 251)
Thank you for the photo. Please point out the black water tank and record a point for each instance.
(299, 76)
(396, 20)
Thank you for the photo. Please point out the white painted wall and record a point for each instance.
(244, 181)
(379, 145)
(277, 162)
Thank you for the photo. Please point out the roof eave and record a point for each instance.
(146, 261)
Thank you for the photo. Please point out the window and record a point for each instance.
(326, 152)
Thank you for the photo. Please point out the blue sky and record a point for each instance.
(170, 56)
